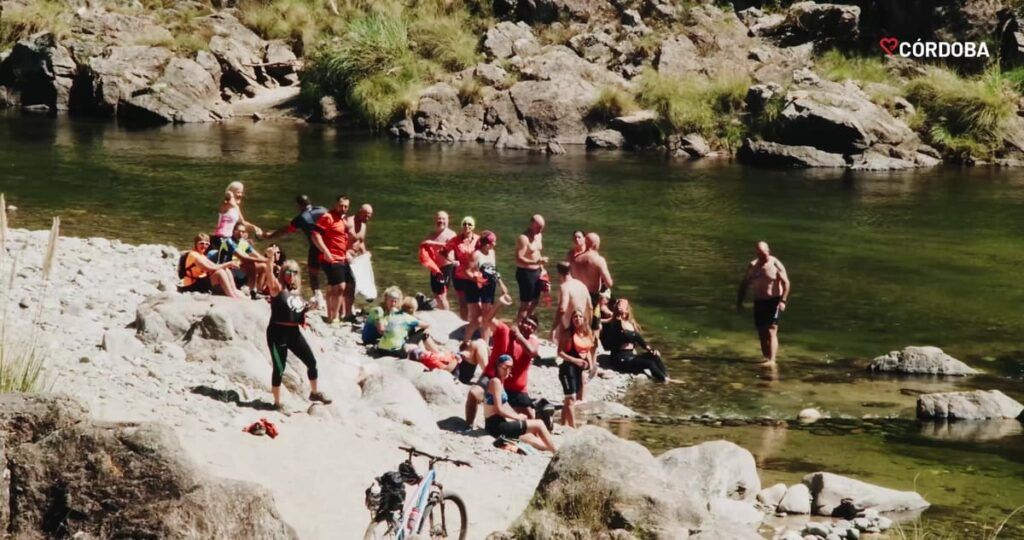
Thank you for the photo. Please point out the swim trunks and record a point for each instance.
(338, 273)
(530, 284)
(766, 312)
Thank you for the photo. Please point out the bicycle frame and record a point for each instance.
(418, 501)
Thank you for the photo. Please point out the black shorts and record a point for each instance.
(571, 377)
(483, 295)
(313, 259)
(530, 285)
(519, 400)
(439, 282)
(201, 285)
(499, 426)
(338, 273)
(766, 312)
(462, 285)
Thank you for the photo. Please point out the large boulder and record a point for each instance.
(923, 360)
(507, 39)
(41, 71)
(240, 52)
(440, 116)
(546, 11)
(775, 155)
(797, 500)
(714, 469)
(830, 23)
(973, 405)
(134, 479)
(599, 482)
(830, 490)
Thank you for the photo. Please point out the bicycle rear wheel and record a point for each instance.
(445, 518)
(379, 530)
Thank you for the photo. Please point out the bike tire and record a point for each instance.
(371, 532)
(440, 524)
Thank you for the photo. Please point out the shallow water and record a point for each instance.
(878, 261)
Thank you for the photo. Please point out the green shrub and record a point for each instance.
(711, 108)
(610, 103)
(963, 117)
(18, 21)
(836, 66)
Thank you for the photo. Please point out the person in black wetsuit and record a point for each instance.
(622, 336)
(284, 333)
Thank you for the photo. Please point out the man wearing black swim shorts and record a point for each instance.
(305, 221)
(767, 277)
(530, 266)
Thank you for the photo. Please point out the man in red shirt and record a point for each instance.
(330, 236)
(521, 344)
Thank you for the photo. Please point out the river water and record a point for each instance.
(878, 261)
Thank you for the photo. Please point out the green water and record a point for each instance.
(878, 261)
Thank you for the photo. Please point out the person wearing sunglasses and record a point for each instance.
(463, 247)
(284, 333)
(201, 275)
(435, 250)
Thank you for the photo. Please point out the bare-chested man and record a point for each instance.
(572, 296)
(592, 269)
(767, 278)
(357, 228)
(438, 239)
(530, 266)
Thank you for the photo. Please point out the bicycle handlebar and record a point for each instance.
(414, 452)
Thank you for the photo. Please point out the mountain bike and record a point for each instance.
(430, 511)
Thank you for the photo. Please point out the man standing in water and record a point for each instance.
(530, 266)
(592, 269)
(305, 221)
(330, 236)
(767, 277)
(436, 242)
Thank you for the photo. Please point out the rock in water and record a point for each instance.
(769, 154)
(769, 497)
(930, 360)
(607, 138)
(974, 405)
(598, 470)
(829, 490)
(808, 416)
(133, 479)
(713, 469)
(796, 501)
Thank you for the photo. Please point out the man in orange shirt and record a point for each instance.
(330, 236)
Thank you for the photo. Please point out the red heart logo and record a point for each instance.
(889, 45)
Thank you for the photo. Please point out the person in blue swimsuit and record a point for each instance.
(503, 421)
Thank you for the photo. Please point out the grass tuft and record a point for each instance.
(611, 103)
(711, 108)
(836, 66)
(964, 117)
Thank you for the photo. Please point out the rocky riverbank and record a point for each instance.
(170, 381)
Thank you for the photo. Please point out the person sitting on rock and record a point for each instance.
(622, 336)
(284, 333)
(522, 345)
(502, 421)
(401, 331)
(200, 274)
(375, 316)
(254, 269)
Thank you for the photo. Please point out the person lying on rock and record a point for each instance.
(452, 362)
(284, 333)
(503, 421)
(400, 330)
(621, 337)
(521, 345)
(200, 274)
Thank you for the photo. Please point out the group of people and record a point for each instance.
(587, 316)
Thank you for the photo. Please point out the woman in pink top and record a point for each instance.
(231, 215)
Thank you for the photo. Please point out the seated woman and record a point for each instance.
(503, 421)
(200, 274)
(576, 352)
(376, 315)
(622, 336)
(401, 332)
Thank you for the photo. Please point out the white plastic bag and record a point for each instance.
(362, 272)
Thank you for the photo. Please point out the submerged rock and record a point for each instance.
(974, 405)
(929, 360)
(830, 491)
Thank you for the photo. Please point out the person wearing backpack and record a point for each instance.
(200, 274)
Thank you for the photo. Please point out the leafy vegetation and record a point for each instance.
(712, 108)
(963, 117)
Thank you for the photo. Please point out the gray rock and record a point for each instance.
(631, 17)
(797, 500)
(929, 360)
(828, 22)
(328, 110)
(507, 39)
(769, 154)
(973, 405)
(817, 528)
(606, 138)
(240, 52)
(553, 149)
(281, 62)
(828, 491)
(808, 416)
(554, 109)
(491, 75)
(596, 47)
(41, 71)
(733, 511)
(663, 9)
(678, 56)
(122, 343)
(713, 469)
(770, 497)
(605, 410)
(617, 474)
(693, 146)
(721, 530)
(127, 478)
(639, 129)
(876, 161)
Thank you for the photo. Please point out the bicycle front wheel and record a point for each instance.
(445, 518)
(379, 530)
